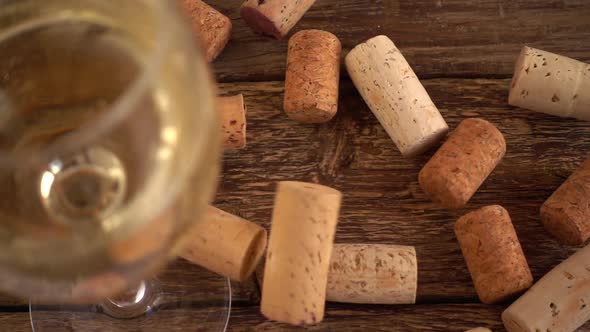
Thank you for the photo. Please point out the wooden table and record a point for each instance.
(464, 52)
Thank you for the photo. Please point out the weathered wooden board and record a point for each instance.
(440, 38)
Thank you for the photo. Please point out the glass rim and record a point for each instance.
(118, 109)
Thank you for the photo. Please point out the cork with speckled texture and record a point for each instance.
(232, 112)
(373, 273)
(211, 28)
(566, 213)
(493, 254)
(395, 95)
(274, 18)
(226, 244)
(455, 172)
(312, 77)
(551, 83)
(304, 222)
(559, 301)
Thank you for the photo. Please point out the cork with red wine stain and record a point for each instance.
(211, 28)
(313, 76)
(304, 223)
(566, 214)
(274, 18)
(493, 254)
(462, 163)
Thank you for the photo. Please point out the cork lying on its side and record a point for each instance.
(298, 258)
(233, 121)
(373, 273)
(312, 77)
(566, 214)
(560, 301)
(394, 94)
(493, 254)
(274, 18)
(211, 28)
(462, 164)
(550, 83)
(226, 244)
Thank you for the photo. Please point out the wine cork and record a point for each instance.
(479, 329)
(550, 83)
(226, 244)
(493, 254)
(464, 161)
(211, 28)
(373, 273)
(394, 94)
(233, 121)
(298, 259)
(150, 239)
(313, 76)
(560, 301)
(566, 214)
(274, 18)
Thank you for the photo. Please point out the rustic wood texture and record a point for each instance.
(465, 51)
(439, 38)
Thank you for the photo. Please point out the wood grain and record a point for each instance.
(339, 317)
(439, 38)
(382, 200)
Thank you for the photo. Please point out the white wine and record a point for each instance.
(102, 122)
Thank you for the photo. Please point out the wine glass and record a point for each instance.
(109, 152)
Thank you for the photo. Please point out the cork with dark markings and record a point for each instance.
(232, 110)
(457, 170)
(298, 258)
(313, 76)
(566, 214)
(551, 83)
(493, 254)
(211, 28)
(274, 18)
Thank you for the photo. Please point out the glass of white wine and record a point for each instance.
(109, 153)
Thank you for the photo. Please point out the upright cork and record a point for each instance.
(550, 83)
(373, 273)
(463, 162)
(566, 214)
(300, 247)
(211, 28)
(226, 244)
(493, 254)
(233, 121)
(394, 94)
(560, 301)
(274, 18)
(479, 329)
(313, 76)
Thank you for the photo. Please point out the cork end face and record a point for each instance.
(426, 144)
(495, 133)
(253, 254)
(437, 189)
(310, 114)
(521, 63)
(561, 226)
(259, 22)
(221, 39)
